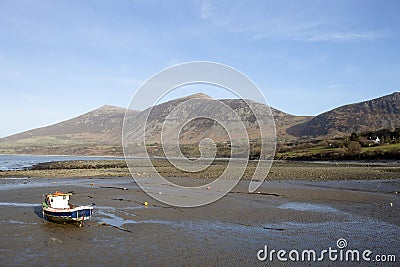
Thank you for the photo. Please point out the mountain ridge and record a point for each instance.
(374, 114)
(99, 132)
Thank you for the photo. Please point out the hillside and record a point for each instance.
(198, 129)
(98, 132)
(102, 124)
(372, 115)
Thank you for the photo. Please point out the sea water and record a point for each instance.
(20, 162)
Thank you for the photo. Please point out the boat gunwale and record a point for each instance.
(78, 208)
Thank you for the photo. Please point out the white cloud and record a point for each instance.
(277, 21)
(206, 10)
(220, 13)
(348, 36)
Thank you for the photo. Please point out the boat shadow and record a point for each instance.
(38, 211)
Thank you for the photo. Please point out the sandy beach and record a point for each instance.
(291, 214)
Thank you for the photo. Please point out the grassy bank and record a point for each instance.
(325, 151)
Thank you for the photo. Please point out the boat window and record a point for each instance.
(51, 199)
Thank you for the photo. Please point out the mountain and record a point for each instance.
(102, 123)
(372, 115)
(201, 128)
(98, 132)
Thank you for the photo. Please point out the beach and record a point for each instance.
(282, 214)
(280, 170)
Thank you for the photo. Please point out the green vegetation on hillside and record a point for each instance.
(381, 144)
(373, 145)
(60, 145)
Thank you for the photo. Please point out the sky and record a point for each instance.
(59, 59)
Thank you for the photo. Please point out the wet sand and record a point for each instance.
(283, 215)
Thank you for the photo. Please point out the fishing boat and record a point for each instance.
(56, 207)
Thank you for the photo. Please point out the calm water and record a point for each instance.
(19, 162)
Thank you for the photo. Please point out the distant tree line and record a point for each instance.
(385, 136)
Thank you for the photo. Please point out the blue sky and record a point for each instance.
(59, 59)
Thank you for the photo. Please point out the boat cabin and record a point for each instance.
(58, 200)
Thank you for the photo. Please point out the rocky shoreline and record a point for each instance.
(280, 170)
